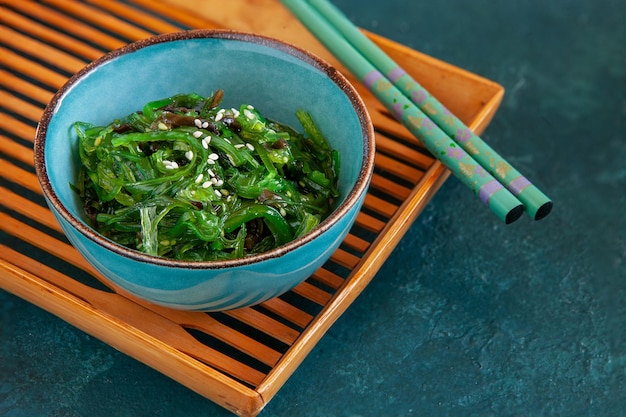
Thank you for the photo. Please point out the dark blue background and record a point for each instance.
(468, 317)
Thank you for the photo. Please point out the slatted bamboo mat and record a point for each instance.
(238, 359)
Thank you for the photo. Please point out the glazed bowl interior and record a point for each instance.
(275, 78)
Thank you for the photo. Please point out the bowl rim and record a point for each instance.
(360, 187)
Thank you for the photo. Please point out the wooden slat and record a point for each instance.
(288, 312)
(398, 168)
(23, 65)
(16, 151)
(311, 292)
(32, 210)
(380, 206)
(403, 152)
(40, 50)
(136, 15)
(50, 36)
(267, 325)
(389, 187)
(326, 277)
(19, 106)
(99, 18)
(370, 223)
(71, 25)
(356, 243)
(17, 84)
(19, 176)
(207, 324)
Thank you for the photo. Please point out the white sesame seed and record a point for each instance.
(205, 143)
(219, 183)
(218, 193)
(197, 134)
(250, 106)
(198, 123)
(205, 125)
(219, 115)
(170, 164)
(210, 162)
(214, 181)
(249, 146)
(189, 155)
(206, 184)
(199, 178)
(248, 114)
(226, 140)
(235, 113)
(214, 156)
(229, 198)
(239, 145)
(211, 173)
(283, 212)
(162, 126)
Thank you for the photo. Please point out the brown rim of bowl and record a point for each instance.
(295, 51)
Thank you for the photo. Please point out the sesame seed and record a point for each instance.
(235, 113)
(206, 184)
(97, 141)
(214, 156)
(225, 192)
(219, 115)
(214, 181)
(197, 134)
(205, 125)
(162, 126)
(249, 146)
(218, 193)
(219, 183)
(170, 164)
(205, 143)
(239, 145)
(198, 123)
(210, 162)
(189, 155)
(199, 178)
(250, 106)
(226, 140)
(283, 212)
(211, 173)
(248, 114)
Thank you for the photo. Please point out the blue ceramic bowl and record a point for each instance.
(275, 77)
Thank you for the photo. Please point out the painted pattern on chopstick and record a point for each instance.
(536, 203)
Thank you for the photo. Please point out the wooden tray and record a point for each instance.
(238, 359)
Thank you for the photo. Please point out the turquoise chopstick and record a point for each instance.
(536, 203)
(501, 201)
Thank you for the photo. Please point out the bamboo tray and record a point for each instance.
(238, 359)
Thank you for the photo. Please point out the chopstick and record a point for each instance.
(444, 135)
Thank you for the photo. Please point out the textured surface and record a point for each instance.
(467, 317)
